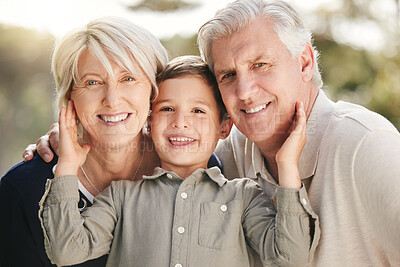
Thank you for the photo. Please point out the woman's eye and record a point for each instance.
(166, 109)
(92, 82)
(129, 79)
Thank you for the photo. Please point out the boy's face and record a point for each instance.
(185, 124)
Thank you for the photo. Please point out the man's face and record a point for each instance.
(259, 81)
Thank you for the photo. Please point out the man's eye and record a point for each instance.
(228, 75)
(258, 65)
(166, 109)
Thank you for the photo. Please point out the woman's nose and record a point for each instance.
(111, 95)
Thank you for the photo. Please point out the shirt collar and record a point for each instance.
(213, 173)
(317, 123)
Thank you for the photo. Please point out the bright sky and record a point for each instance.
(60, 16)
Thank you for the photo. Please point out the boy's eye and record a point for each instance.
(198, 111)
(166, 109)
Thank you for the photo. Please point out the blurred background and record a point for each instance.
(358, 40)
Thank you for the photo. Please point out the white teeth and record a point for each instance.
(117, 118)
(257, 109)
(181, 139)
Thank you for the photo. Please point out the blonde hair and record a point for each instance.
(107, 38)
(286, 22)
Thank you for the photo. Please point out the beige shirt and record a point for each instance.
(163, 220)
(351, 168)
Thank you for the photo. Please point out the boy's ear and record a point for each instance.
(226, 126)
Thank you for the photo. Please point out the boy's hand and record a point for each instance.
(71, 154)
(43, 144)
(288, 155)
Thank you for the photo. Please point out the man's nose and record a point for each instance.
(246, 86)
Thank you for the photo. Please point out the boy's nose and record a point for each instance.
(181, 120)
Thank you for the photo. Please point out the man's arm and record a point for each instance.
(45, 145)
(377, 178)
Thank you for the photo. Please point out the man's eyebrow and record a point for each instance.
(223, 71)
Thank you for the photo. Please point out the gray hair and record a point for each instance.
(107, 38)
(237, 15)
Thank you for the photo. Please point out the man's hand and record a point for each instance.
(43, 144)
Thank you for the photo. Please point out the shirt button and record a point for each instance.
(169, 175)
(224, 208)
(304, 201)
(181, 230)
(178, 265)
(184, 195)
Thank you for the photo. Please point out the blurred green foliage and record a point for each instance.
(371, 79)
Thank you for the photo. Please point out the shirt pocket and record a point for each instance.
(220, 224)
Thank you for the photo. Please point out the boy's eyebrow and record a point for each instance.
(195, 100)
(202, 102)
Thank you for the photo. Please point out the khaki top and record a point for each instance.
(351, 168)
(163, 220)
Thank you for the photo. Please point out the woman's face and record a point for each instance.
(112, 110)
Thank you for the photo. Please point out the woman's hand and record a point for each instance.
(288, 155)
(71, 154)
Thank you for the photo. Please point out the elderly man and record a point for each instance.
(264, 61)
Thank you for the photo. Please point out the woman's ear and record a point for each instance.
(226, 126)
(148, 123)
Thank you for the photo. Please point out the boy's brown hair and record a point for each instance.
(193, 66)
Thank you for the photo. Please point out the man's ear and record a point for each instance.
(307, 62)
(226, 126)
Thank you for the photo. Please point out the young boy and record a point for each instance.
(185, 214)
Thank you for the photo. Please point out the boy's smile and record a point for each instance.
(185, 124)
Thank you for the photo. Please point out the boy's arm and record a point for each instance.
(72, 237)
(289, 236)
(288, 155)
(285, 236)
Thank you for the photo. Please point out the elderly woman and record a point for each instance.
(108, 69)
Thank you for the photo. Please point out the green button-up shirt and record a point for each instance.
(163, 220)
